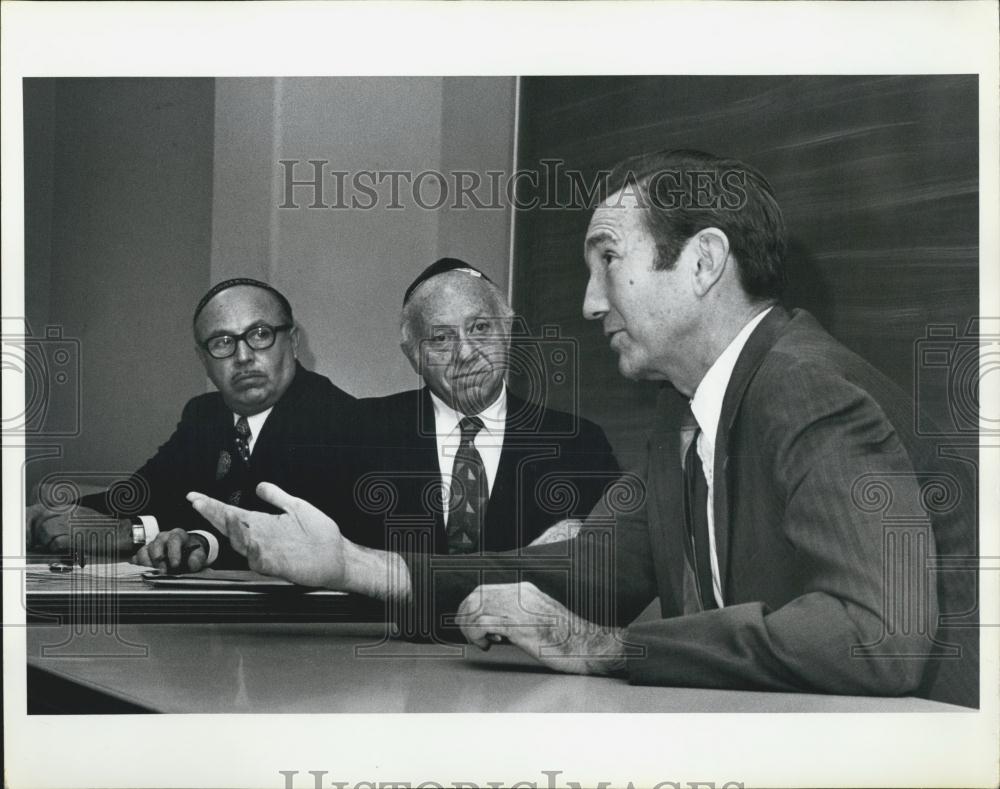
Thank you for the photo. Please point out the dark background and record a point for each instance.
(877, 177)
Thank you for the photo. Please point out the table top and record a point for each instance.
(110, 594)
(341, 667)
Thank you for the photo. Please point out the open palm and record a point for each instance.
(301, 544)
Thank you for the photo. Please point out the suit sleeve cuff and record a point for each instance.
(213, 545)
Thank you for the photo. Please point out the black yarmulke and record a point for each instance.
(440, 267)
(232, 283)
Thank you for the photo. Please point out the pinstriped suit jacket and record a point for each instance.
(833, 521)
(826, 537)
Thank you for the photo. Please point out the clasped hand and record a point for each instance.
(542, 627)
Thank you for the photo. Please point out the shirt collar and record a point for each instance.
(494, 416)
(706, 405)
(256, 422)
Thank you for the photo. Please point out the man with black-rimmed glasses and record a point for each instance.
(270, 418)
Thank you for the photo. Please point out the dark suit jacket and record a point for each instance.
(552, 466)
(828, 513)
(306, 447)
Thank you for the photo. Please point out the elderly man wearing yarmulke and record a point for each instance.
(467, 466)
(271, 419)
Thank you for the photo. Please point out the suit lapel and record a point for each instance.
(220, 440)
(510, 494)
(503, 506)
(423, 428)
(753, 353)
(274, 432)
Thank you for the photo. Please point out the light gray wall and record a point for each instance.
(140, 193)
(345, 269)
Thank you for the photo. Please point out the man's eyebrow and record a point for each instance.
(233, 332)
(600, 237)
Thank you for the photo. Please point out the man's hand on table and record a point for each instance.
(174, 551)
(542, 627)
(103, 537)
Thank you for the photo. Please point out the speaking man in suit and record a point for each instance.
(798, 534)
(270, 419)
(480, 467)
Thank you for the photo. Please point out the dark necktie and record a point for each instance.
(469, 494)
(243, 439)
(696, 512)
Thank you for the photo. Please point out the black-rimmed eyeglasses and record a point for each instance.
(257, 338)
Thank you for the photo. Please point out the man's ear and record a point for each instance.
(293, 334)
(712, 249)
(411, 356)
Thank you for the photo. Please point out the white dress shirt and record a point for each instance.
(152, 527)
(488, 442)
(706, 405)
(256, 422)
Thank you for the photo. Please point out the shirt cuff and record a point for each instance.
(213, 545)
(150, 527)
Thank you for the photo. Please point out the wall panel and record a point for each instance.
(877, 176)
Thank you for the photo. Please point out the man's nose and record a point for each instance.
(244, 353)
(595, 301)
(465, 349)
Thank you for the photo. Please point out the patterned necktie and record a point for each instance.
(696, 511)
(243, 439)
(469, 494)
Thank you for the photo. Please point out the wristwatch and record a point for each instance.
(138, 534)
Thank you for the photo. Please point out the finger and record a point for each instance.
(156, 552)
(214, 511)
(228, 519)
(32, 514)
(50, 526)
(175, 546)
(58, 544)
(482, 630)
(196, 559)
(272, 494)
(142, 557)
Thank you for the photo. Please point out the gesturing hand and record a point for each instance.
(301, 545)
(542, 627)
